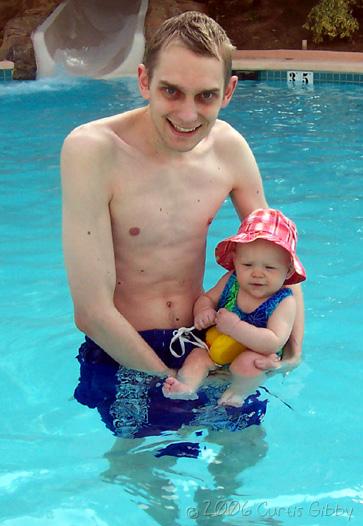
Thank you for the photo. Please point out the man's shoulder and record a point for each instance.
(222, 128)
(229, 138)
(88, 148)
(98, 147)
(226, 132)
(100, 135)
(95, 134)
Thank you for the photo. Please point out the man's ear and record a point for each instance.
(228, 92)
(143, 80)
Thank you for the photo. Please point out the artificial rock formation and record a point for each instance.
(19, 18)
(251, 24)
(160, 10)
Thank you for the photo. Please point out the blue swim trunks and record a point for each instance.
(131, 403)
(158, 339)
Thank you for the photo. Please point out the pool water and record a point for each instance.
(60, 464)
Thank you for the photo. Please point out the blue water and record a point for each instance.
(59, 464)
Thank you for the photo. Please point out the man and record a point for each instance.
(140, 190)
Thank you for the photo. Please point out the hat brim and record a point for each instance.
(225, 249)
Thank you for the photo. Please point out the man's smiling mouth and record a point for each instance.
(181, 129)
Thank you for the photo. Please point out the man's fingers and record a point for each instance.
(266, 364)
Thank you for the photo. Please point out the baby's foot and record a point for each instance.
(177, 390)
(232, 398)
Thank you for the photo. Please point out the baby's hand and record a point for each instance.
(226, 321)
(205, 318)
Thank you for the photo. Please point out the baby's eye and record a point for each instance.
(269, 267)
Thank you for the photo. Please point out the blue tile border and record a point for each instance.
(6, 74)
(278, 75)
(319, 76)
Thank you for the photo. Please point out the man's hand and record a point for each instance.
(226, 321)
(205, 318)
(271, 364)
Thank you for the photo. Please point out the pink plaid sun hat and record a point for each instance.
(269, 224)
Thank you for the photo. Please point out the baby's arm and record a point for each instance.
(205, 307)
(262, 340)
(204, 312)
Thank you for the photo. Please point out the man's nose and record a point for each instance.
(187, 112)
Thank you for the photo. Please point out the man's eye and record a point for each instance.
(207, 96)
(170, 92)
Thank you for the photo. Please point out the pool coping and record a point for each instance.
(299, 60)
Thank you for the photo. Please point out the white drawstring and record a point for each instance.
(185, 335)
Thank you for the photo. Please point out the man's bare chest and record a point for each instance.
(164, 207)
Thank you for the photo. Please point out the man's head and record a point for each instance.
(198, 33)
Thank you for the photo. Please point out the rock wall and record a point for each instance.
(18, 19)
(160, 10)
(251, 24)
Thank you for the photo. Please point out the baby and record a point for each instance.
(250, 303)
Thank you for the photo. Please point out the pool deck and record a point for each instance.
(6, 64)
(299, 60)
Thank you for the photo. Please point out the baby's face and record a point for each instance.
(261, 267)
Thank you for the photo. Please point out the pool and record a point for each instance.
(60, 464)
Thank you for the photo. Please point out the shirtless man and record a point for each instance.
(140, 190)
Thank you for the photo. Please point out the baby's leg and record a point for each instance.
(195, 368)
(246, 379)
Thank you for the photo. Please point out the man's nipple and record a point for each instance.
(134, 231)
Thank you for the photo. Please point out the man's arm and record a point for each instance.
(293, 348)
(248, 195)
(89, 255)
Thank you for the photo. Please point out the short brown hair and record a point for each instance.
(197, 32)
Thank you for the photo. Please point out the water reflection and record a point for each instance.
(179, 460)
(178, 490)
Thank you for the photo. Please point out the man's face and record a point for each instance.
(185, 94)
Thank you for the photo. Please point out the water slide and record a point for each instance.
(91, 38)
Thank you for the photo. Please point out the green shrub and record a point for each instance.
(332, 19)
